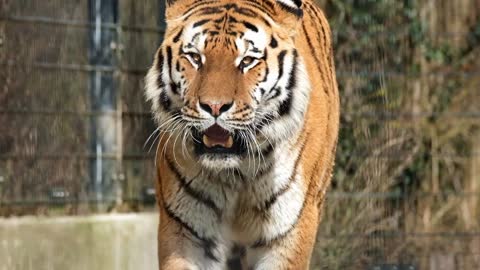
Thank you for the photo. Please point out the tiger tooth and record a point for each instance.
(207, 141)
(229, 143)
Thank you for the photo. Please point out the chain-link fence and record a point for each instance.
(406, 191)
(72, 109)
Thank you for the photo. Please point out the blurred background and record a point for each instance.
(76, 173)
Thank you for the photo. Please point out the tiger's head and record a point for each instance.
(228, 82)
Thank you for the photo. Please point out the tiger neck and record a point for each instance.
(267, 170)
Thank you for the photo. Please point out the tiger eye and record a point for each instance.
(196, 57)
(247, 60)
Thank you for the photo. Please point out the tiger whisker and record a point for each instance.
(154, 133)
(259, 151)
(170, 132)
(174, 147)
(184, 142)
(159, 130)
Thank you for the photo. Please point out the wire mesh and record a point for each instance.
(405, 192)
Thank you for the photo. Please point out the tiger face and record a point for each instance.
(228, 82)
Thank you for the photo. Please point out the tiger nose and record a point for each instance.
(215, 108)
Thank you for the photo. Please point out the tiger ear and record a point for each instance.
(288, 13)
(176, 8)
(291, 6)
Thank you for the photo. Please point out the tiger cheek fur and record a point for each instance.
(245, 97)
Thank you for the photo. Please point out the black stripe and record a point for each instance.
(241, 10)
(197, 5)
(236, 172)
(177, 66)
(177, 37)
(160, 82)
(245, 108)
(281, 59)
(219, 9)
(250, 26)
(315, 14)
(266, 120)
(207, 243)
(200, 23)
(295, 11)
(199, 196)
(286, 105)
(268, 150)
(262, 7)
(269, 202)
(264, 242)
(192, 118)
(312, 49)
(234, 261)
(232, 19)
(318, 16)
(317, 56)
(210, 10)
(328, 53)
(267, 71)
(165, 100)
(194, 37)
(238, 250)
(273, 43)
(264, 170)
(174, 88)
(169, 60)
(277, 92)
(292, 82)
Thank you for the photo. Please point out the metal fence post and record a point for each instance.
(161, 16)
(103, 98)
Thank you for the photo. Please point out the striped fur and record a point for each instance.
(272, 63)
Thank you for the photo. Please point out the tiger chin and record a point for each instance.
(246, 102)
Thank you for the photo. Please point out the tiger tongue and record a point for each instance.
(217, 136)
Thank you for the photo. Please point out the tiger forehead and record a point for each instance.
(224, 23)
(225, 28)
(246, 8)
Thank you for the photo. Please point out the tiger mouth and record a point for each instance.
(216, 140)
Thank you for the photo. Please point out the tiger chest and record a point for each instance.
(265, 211)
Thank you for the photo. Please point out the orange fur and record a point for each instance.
(316, 143)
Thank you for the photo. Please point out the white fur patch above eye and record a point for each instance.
(291, 3)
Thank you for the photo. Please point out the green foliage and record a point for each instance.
(405, 83)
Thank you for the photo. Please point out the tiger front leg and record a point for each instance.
(291, 251)
(181, 249)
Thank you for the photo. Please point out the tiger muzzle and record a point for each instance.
(216, 140)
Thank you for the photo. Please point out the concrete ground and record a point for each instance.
(106, 242)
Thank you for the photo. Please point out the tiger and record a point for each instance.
(245, 100)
